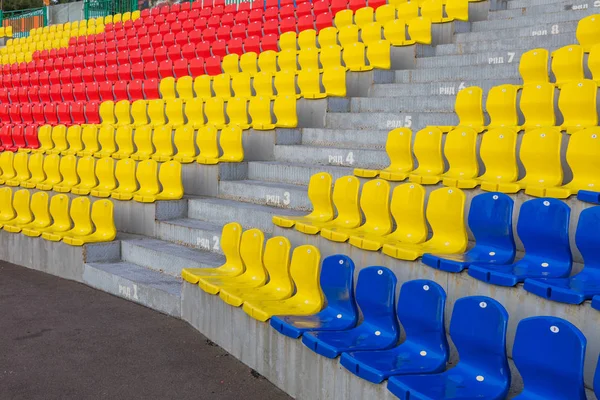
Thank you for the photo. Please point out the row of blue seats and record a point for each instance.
(548, 351)
(543, 227)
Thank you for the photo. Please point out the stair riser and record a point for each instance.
(196, 238)
(266, 196)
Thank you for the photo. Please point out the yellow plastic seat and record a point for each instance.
(206, 140)
(254, 275)
(240, 84)
(334, 81)
(237, 111)
(469, 108)
(116, 18)
(174, 111)
(147, 178)
(185, 88)
(139, 113)
(327, 37)
(540, 155)
(319, 194)
(222, 86)
(267, 61)
(537, 105)
(408, 210)
(343, 18)
(331, 57)
(82, 224)
(87, 176)
(107, 113)
(276, 260)
(122, 113)
(135, 15)
(363, 16)
(249, 63)
(284, 108)
(231, 144)
(21, 168)
(169, 177)
(307, 39)
(287, 61)
(194, 111)
(594, 63)
(287, 41)
(202, 87)
(310, 85)
(52, 172)
(457, 10)
(460, 150)
(347, 35)
(385, 13)
(371, 33)
(588, 32)
(446, 217)
(407, 10)
(354, 57)
(577, 104)
(59, 138)
(166, 87)
(308, 58)
(163, 143)
(214, 108)
(126, 16)
(419, 31)
(74, 141)
(105, 172)
(499, 155)
(398, 149)
(127, 183)
(7, 166)
(230, 244)
(567, 64)
(142, 139)
(533, 66)
(259, 108)
(68, 171)
(379, 54)
(7, 211)
(375, 205)
(40, 215)
(156, 112)
(428, 151)
(22, 210)
(434, 9)
(184, 142)
(308, 298)
(501, 106)
(106, 139)
(36, 168)
(285, 83)
(263, 84)
(124, 141)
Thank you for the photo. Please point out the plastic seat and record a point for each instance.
(240, 83)
(142, 139)
(194, 112)
(537, 105)
(124, 141)
(498, 152)
(184, 143)
(22, 210)
(35, 169)
(587, 32)
(319, 194)
(222, 86)
(567, 64)
(478, 330)
(375, 204)
(594, 62)
(428, 151)
(334, 81)
(379, 330)
(126, 180)
(237, 113)
(86, 174)
(202, 87)
(82, 224)
(445, 215)
(105, 172)
(308, 298)
(284, 108)
(501, 106)
(543, 230)
(162, 143)
(7, 211)
(214, 109)
(21, 170)
(425, 349)
(206, 140)
(460, 151)
(490, 221)
(577, 104)
(147, 177)
(533, 66)
(230, 245)
(106, 140)
(59, 138)
(68, 171)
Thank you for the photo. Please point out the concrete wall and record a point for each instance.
(61, 13)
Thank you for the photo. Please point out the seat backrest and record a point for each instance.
(594, 62)
(549, 354)
(337, 283)
(460, 150)
(567, 64)
(125, 175)
(577, 103)
(423, 324)
(319, 194)
(537, 105)
(375, 205)
(68, 170)
(39, 208)
(74, 138)
(222, 85)
(277, 263)
(7, 211)
(214, 108)
(59, 137)
(156, 112)
(169, 177)
(348, 35)
(106, 138)
(408, 210)
(427, 149)
(185, 87)
(174, 112)
(588, 31)
(52, 169)
(89, 138)
(107, 112)
(85, 171)
(478, 330)
(80, 215)
(184, 141)
(103, 219)
(469, 107)
(345, 198)
(446, 217)
(375, 296)
(343, 18)
(231, 236)
(7, 165)
(584, 146)
(248, 62)
(363, 16)
(501, 106)
(499, 154)
(124, 140)
(398, 149)
(267, 61)
(105, 171)
(586, 236)
(21, 206)
(194, 111)
(385, 13)
(305, 268)
(20, 164)
(146, 175)
(490, 221)
(251, 251)
(540, 155)
(533, 66)
(206, 139)
(36, 167)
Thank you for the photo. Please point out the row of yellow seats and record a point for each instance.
(539, 152)
(145, 183)
(54, 219)
(197, 113)
(444, 214)
(264, 281)
(577, 102)
(121, 17)
(32, 47)
(6, 31)
(144, 143)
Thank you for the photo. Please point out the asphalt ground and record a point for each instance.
(63, 340)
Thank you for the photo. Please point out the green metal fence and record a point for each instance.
(22, 21)
(102, 8)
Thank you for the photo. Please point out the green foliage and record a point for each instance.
(13, 5)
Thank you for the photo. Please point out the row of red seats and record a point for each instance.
(50, 113)
(12, 138)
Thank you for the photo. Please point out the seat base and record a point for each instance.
(366, 173)
(460, 183)
(589, 196)
(424, 179)
(574, 290)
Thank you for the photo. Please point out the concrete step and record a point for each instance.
(365, 120)
(477, 72)
(345, 138)
(445, 88)
(191, 233)
(565, 28)
(543, 10)
(133, 282)
(468, 60)
(530, 3)
(504, 46)
(407, 104)
(532, 21)
(167, 257)
(331, 156)
(280, 195)
(222, 211)
(292, 173)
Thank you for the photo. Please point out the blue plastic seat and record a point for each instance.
(549, 354)
(596, 302)
(490, 220)
(586, 284)
(597, 379)
(543, 227)
(375, 294)
(337, 278)
(478, 330)
(588, 196)
(420, 308)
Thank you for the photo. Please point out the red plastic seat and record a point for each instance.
(151, 89)
(165, 69)
(175, 8)
(79, 50)
(145, 13)
(118, 29)
(256, 15)
(6, 138)
(4, 117)
(66, 92)
(124, 72)
(288, 25)
(203, 49)
(100, 38)
(155, 12)
(219, 48)
(89, 60)
(38, 114)
(76, 75)
(111, 59)
(120, 90)
(24, 81)
(151, 70)
(194, 14)
(182, 16)
(252, 44)
(135, 90)
(123, 57)
(64, 76)
(243, 7)
(22, 95)
(273, 3)
(32, 94)
(375, 4)
(271, 27)
(197, 66)
(87, 75)
(14, 113)
(185, 7)
(218, 9)
(27, 113)
(287, 12)
(235, 46)
(271, 13)
(213, 65)
(164, 28)
(181, 38)
(323, 21)
(153, 31)
(79, 92)
(133, 44)
(54, 77)
(304, 9)
(92, 91)
(92, 112)
(112, 73)
(141, 32)
(171, 17)
(44, 78)
(168, 39)
(73, 40)
(180, 68)
(355, 5)
(156, 41)
(209, 35)
(137, 70)
(76, 62)
(338, 5)
(174, 52)
(195, 36)
(135, 56)
(50, 114)
(78, 113)
(18, 137)
(132, 32)
(160, 54)
(238, 31)
(31, 66)
(63, 111)
(105, 90)
(227, 19)
(188, 51)
(148, 55)
(164, 10)
(122, 45)
(224, 33)
(306, 22)
(4, 99)
(187, 25)
(201, 23)
(269, 42)
(231, 8)
(49, 65)
(176, 27)
(241, 17)
(31, 136)
(214, 21)
(7, 81)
